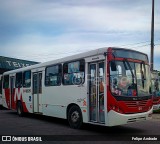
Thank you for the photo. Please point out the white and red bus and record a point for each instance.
(155, 90)
(107, 86)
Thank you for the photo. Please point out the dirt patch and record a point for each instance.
(156, 116)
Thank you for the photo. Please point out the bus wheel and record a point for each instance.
(75, 117)
(19, 109)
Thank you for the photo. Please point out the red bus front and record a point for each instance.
(129, 96)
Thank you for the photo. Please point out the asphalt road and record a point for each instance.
(58, 129)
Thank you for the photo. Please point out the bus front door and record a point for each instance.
(37, 92)
(96, 92)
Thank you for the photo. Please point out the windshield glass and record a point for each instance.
(130, 79)
(130, 54)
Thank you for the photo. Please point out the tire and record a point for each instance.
(20, 109)
(75, 117)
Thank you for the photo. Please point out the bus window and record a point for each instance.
(18, 80)
(53, 75)
(6, 81)
(143, 83)
(73, 73)
(27, 79)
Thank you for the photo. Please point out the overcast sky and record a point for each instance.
(42, 30)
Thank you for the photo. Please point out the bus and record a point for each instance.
(107, 86)
(0, 90)
(155, 90)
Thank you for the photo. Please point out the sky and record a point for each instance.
(43, 30)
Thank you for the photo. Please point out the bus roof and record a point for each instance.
(69, 58)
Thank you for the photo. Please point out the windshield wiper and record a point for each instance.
(130, 68)
(144, 67)
(143, 73)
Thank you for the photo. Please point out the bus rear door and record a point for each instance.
(37, 92)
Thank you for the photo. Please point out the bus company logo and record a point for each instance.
(6, 138)
(18, 94)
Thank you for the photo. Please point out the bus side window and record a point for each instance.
(27, 79)
(18, 83)
(6, 81)
(53, 75)
(73, 72)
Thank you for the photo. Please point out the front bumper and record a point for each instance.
(114, 118)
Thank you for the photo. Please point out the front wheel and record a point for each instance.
(75, 117)
(19, 109)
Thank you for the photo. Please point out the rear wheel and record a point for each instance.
(20, 109)
(75, 117)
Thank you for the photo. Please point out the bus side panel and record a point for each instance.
(85, 103)
(24, 107)
(18, 96)
(6, 98)
(55, 99)
(27, 100)
(13, 100)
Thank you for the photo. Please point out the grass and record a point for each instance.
(156, 111)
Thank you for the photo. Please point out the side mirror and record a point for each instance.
(113, 66)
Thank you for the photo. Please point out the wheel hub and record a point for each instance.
(75, 116)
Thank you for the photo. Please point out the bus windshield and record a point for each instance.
(129, 78)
